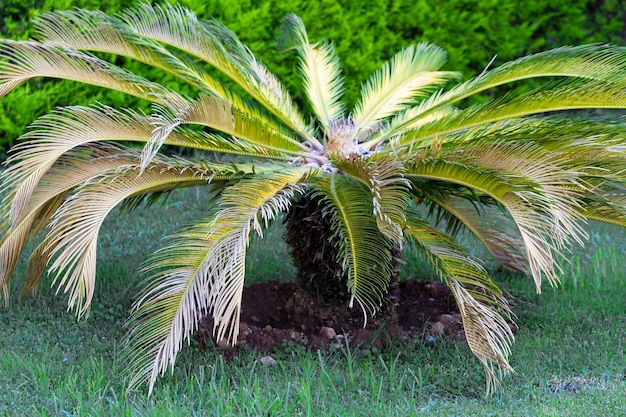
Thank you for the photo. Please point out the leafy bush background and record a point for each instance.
(364, 33)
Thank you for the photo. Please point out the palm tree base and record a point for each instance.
(321, 278)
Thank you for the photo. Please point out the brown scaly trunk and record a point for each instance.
(320, 275)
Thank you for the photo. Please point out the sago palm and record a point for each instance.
(522, 184)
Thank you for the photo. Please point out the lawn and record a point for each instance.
(569, 355)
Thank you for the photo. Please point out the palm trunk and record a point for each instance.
(314, 249)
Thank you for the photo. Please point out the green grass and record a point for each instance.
(571, 340)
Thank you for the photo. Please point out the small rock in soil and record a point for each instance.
(268, 361)
(447, 318)
(244, 331)
(296, 336)
(432, 288)
(327, 333)
(437, 329)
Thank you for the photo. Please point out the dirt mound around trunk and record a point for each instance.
(275, 313)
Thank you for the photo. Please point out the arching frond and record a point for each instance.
(217, 113)
(218, 46)
(94, 30)
(599, 65)
(70, 171)
(606, 204)
(189, 138)
(590, 152)
(483, 309)
(410, 122)
(364, 250)
(559, 96)
(53, 135)
(320, 69)
(202, 270)
(23, 60)
(64, 176)
(542, 198)
(492, 228)
(411, 74)
(74, 229)
(602, 63)
(384, 178)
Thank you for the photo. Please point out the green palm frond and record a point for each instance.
(605, 213)
(559, 96)
(216, 113)
(592, 62)
(587, 149)
(320, 69)
(364, 250)
(202, 270)
(557, 186)
(384, 178)
(594, 66)
(411, 74)
(579, 138)
(541, 198)
(94, 30)
(218, 46)
(23, 60)
(483, 309)
(590, 151)
(210, 142)
(411, 121)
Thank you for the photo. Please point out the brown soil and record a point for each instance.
(274, 313)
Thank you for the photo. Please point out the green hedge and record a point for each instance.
(365, 33)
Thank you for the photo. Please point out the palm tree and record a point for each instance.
(521, 181)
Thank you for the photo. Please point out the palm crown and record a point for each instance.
(521, 184)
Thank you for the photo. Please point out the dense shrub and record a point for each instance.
(365, 33)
